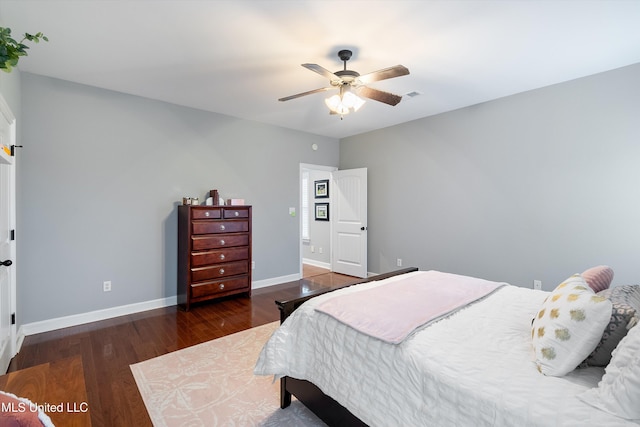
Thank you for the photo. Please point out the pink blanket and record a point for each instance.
(392, 311)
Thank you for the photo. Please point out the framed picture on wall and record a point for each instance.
(322, 189)
(322, 211)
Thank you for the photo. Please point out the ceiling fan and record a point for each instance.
(351, 84)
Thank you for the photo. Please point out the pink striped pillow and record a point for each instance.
(598, 278)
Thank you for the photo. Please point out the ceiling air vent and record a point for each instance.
(412, 94)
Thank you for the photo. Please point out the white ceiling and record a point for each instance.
(238, 57)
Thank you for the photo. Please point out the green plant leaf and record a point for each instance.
(11, 50)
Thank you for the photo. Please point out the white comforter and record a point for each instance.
(473, 368)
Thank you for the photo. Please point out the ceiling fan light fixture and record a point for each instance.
(351, 100)
(334, 103)
(345, 102)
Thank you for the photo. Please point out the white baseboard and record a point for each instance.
(316, 263)
(92, 316)
(257, 284)
(123, 310)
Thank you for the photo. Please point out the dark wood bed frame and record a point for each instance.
(327, 409)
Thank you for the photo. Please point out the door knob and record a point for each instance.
(6, 263)
(363, 228)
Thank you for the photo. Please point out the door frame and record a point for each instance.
(308, 166)
(8, 138)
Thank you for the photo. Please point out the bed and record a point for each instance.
(475, 365)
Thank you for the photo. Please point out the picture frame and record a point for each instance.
(322, 212)
(321, 189)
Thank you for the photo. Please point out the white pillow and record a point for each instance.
(568, 327)
(618, 392)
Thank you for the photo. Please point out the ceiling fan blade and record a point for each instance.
(323, 72)
(378, 95)
(387, 73)
(298, 95)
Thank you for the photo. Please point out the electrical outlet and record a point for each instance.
(399, 262)
(253, 265)
(320, 249)
(313, 248)
(106, 286)
(537, 284)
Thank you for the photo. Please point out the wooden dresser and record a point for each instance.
(214, 252)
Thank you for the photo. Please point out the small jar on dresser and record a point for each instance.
(214, 252)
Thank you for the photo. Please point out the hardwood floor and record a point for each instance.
(61, 381)
(309, 270)
(89, 364)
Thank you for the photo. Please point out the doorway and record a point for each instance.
(315, 235)
(333, 219)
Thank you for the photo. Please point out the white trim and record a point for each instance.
(316, 263)
(257, 284)
(19, 340)
(8, 139)
(305, 204)
(92, 316)
(123, 310)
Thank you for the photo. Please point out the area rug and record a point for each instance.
(212, 384)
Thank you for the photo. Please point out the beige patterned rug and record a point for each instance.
(212, 384)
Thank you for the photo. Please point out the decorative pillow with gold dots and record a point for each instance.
(568, 326)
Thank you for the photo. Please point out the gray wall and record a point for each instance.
(10, 90)
(99, 178)
(538, 185)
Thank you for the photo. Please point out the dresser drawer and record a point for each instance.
(209, 227)
(206, 213)
(199, 243)
(235, 213)
(198, 259)
(218, 286)
(219, 270)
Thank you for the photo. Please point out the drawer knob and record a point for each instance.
(222, 227)
(221, 256)
(221, 242)
(222, 271)
(236, 213)
(206, 214)
(221, 286)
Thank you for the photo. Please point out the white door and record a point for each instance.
(7, 244)
(348, 215)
